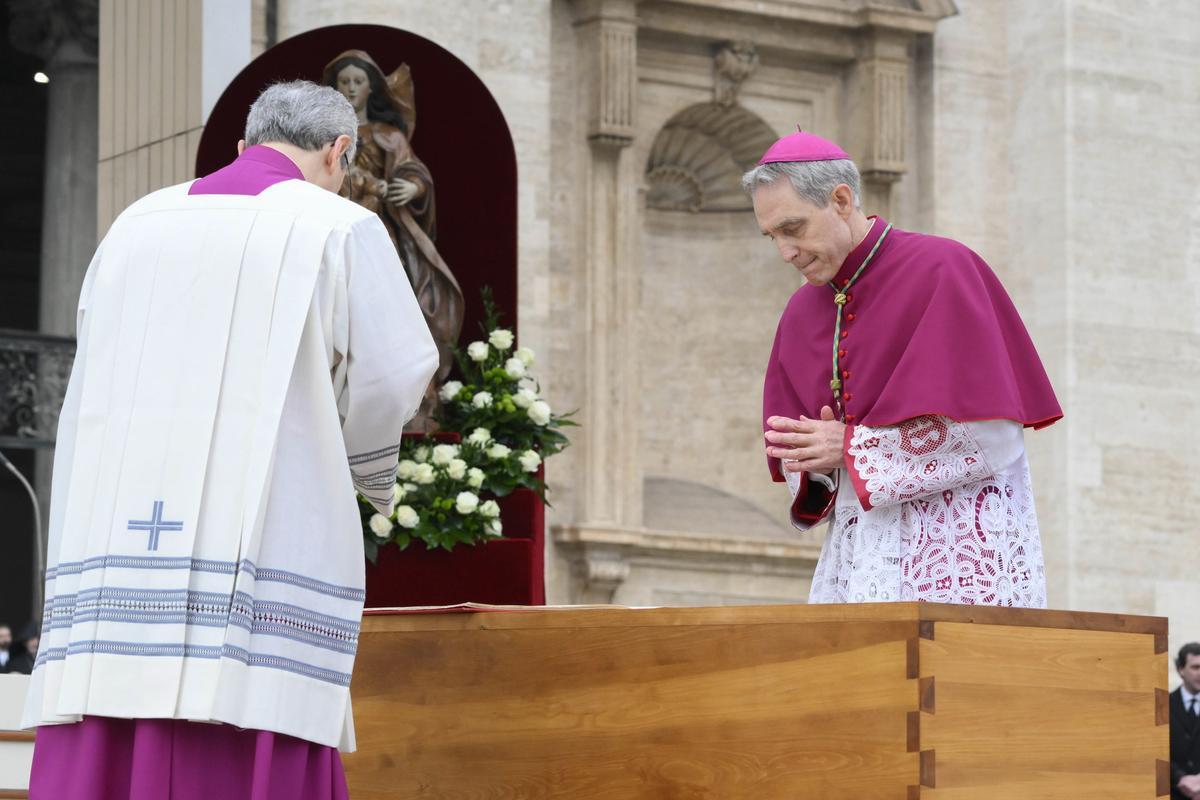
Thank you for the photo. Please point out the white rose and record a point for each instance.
(466, 502)
(501, 339)
(494, 527)
(480, 436)
(478, 351)
(498, 451)
(404, 471)
(490, 509)
(410, 487)
(528, 383)
(421, 454)
(515, 368)
(381, 526)
(475, 477)
(407, 517)
(524, 398)
(399, 493)
(443, 454)
(457, 469)
(530, 461)
(424, 474)
(450, 390)
(526, 356)
(482, 400)
(539, 412)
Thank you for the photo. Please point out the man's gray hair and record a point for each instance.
(302, 113)
(812, 180)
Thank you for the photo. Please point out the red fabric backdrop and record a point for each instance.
(463, 138)
(460, 134)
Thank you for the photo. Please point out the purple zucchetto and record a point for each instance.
(801, 146)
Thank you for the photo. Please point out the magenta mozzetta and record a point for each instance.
(927, 329)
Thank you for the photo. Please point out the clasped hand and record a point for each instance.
(807, 445)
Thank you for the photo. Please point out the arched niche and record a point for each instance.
(461, 135)
(698, 157)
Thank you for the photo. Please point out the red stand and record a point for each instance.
(505, 571)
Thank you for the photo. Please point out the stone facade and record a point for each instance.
(1055, 138)
(1063, 145)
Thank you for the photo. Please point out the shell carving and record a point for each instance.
(698, 158)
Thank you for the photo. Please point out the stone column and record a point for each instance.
(875, 124)
(612, 477)
(65, 35)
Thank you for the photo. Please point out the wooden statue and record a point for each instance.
(388, 178)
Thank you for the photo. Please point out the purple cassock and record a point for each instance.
(101, 758)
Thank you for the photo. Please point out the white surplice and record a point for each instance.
(243, 364)
(930, 509)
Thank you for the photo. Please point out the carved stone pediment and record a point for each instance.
(733, 63)
(699, 155)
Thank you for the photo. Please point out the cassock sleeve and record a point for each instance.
(388, 356)
(812, 497)
(925, 456)
(779, 399)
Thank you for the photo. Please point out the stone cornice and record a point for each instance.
(918, 16)
(828, 30)
(615, 10)
(603, 557)
(637, 543)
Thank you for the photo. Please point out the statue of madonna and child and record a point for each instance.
(389, 179)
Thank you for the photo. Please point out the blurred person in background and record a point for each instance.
(24, 652)
(6, 643)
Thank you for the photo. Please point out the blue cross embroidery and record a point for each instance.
(154, 526)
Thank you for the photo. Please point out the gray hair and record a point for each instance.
(304, 114)
(812, 180)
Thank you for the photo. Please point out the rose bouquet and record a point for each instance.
(446, 493)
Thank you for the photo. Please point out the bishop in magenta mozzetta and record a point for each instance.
(896, 397)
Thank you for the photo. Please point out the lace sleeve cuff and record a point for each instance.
(918, 458)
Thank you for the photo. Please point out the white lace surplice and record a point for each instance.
(930, 509)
